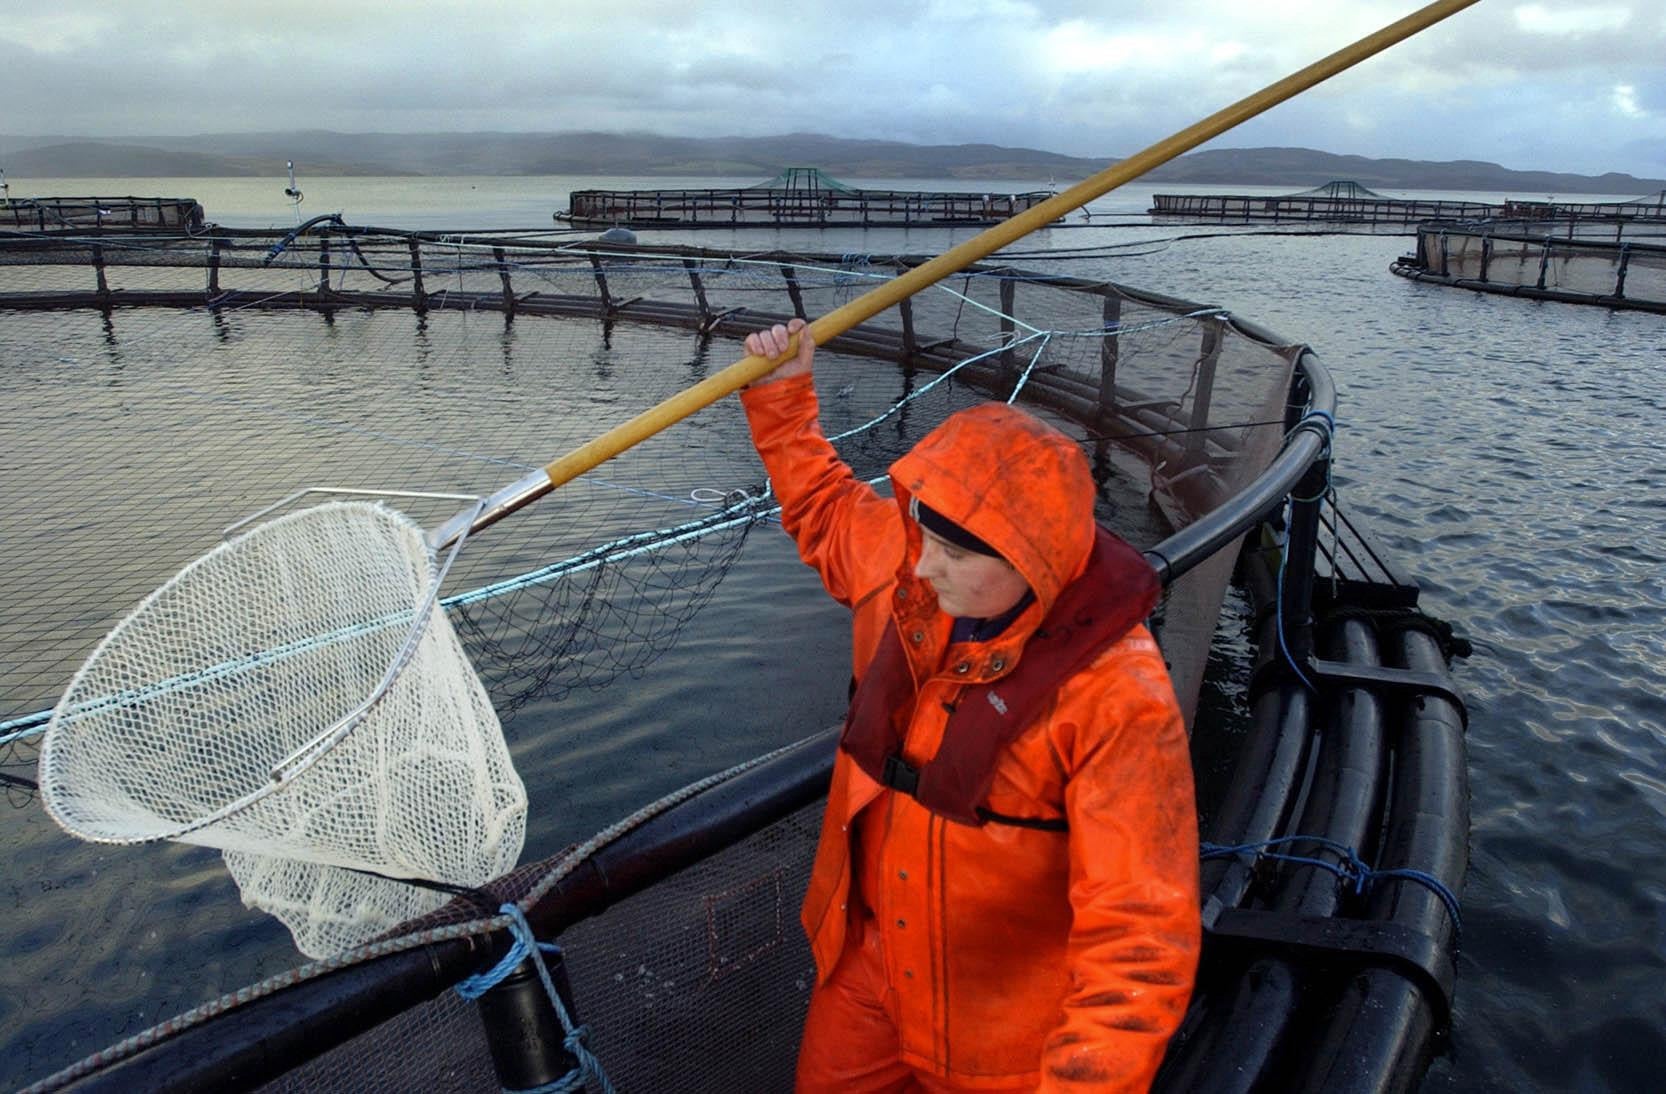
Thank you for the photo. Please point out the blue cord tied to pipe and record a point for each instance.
(1352, 870)
(526, 945)
(1322, 421)
(1283, 646)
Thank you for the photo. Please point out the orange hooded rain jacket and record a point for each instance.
(1014, 955)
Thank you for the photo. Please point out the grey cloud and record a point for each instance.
(1491, 38)
(1477, 87)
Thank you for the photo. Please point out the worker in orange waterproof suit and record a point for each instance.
(1055, 948)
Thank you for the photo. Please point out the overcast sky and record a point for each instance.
(1558, 85)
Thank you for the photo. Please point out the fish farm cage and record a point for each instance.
(1335, 202)
(1613, 263)
(1350, 203)
(799, 197)
(1650, 207)
(1334, 804)
(125, 214)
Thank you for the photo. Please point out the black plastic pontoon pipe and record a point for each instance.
(1268, 773)
(1281, 738)
(257, 1042)
(1384, 1026)
(1342, 805)
(523, 1032)
(1266, 781)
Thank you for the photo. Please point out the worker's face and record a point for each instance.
(967, 583)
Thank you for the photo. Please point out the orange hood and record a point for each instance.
(1013, 481)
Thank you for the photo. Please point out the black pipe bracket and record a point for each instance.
(1330, 676)
(1350, 944)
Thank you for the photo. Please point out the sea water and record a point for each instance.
(1509, 454)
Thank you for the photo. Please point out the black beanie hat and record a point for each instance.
(944, 528)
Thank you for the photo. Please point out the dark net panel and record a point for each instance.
(699, 983)
(438, 1047)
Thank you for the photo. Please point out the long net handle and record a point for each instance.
(985, 243)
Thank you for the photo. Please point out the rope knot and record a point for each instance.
(1351, 871)
(577, 1038)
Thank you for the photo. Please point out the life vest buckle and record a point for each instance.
(899, 775)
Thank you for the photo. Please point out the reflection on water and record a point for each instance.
(1510, 454)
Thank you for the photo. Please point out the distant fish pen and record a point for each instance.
(1651, 207)
(124, 214)
(799, 197)
(1336, 813)
(1574, 262)
(1351, 203)
(1342, 201)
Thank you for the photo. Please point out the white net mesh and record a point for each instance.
(177, 724)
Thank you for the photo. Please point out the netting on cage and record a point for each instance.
(697, 983)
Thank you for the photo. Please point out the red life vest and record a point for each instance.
(1116, 591)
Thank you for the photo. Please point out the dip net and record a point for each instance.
(296, 690)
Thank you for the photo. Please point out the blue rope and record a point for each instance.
(851, 265)
(1326, 420)
(480, 983)
(1283, 647)
(527, 945)
(1352, 870)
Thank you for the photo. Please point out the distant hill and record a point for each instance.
(320, 152)
(1303, 167)
(164, 159)
(93, 159)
